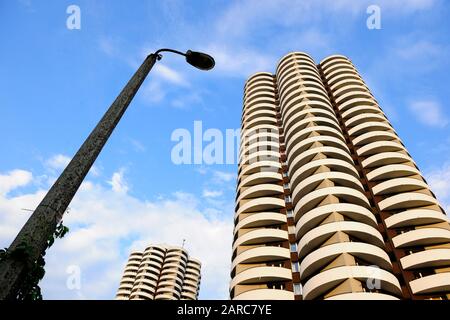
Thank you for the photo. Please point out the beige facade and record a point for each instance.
(160, 273)
(329, 203)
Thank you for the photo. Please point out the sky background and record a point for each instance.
(56, 83)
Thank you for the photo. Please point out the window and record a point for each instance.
(293, 247)
(297, 289)
(290, 213)
(285, 174)
(288, 199)
(295, 267)
(286, 185)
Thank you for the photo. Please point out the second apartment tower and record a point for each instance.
(330, 204)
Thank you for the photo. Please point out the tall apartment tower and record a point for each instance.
(330, 204)
(160, 273)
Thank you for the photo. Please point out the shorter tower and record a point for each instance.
(160, 273)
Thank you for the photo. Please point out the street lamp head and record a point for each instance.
(200, 60)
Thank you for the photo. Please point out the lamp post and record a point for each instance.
(45, 218)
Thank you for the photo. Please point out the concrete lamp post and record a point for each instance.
(42, 223)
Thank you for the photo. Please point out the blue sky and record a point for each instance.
(56, 83)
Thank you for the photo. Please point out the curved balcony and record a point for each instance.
(350, 87)
(261, 254)
(298, 121)
(298, 113)
(247, 141)
(260, 156)
(328, 279)
(392, 171)
(323, 140)
(406, 200)
(300, 58)
(269, 93)
(361, 121)
(260, 275)
(312, 100)
(259, 100)
(263, 128)
(260, 166)
(421, 237)
(349, 70)
(312, 199)
(434, 283)
(415, 217)
(363, 296)
(374, 136)
(314, 217)
(315, 237)
(333, 59)
(261, 204)
(310, 168)
(358, 111)
(165, 296)
(343, 81)
(432, 258)
(297, 82)
(259, 178)
(258, 236)
(311, 183)
(265, 294)
(141, 295)
(188, 296)
(258, 76)
(259, 121)
(261, 219)
(398, 185)
(299, 127)
(379, 146)
(308, 155)
(305, 73)
(303, 134)
(322, 256)
(369, 126)
(260, 85)
(351, 98)
(260, 190)
(258, 113)
(259, 146)
(250, 112)
(338, 66)
(385, 158)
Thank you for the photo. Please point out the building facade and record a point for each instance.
(329, 203)
(160, 273)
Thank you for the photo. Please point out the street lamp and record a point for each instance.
(42, 223)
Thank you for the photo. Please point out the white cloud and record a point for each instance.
(222, 176)
(429, 112)
(118, 182)
(14, 179)
(105, 225)
(439, 181)
(169, 74)
(58, 161)
(153, 92)
(137, 145)
(212, 193)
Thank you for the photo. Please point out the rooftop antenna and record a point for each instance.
(184, 240)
